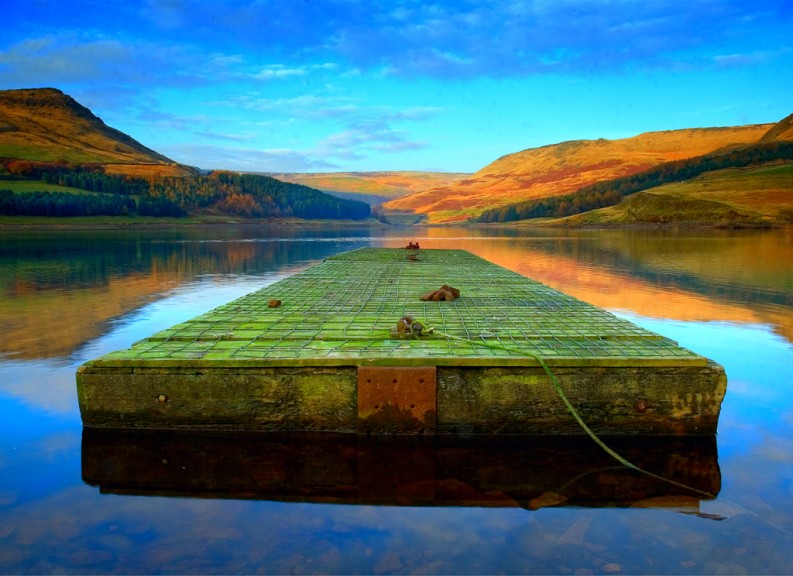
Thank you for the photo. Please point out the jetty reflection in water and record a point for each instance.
(519, 471)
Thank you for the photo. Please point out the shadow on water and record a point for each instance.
(522, 471)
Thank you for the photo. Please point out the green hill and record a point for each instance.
(757, 196)
(57, 159)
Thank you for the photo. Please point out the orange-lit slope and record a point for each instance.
(383, 184)
(562, 168)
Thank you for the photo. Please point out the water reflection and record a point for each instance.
(77, 283)
(702, 276)
(527, 472)
(68, 297)
(58, 292)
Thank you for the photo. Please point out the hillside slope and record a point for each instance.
(782, 130)
(562, 168)
(735, 197)
(44, 124)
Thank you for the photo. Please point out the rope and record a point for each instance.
(425, 329)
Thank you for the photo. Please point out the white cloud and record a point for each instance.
(280, 71)
(277, 71)
(210, 135)
(356, 143)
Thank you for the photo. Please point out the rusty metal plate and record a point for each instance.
(396, 399)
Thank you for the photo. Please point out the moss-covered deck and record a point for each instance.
(297, 365)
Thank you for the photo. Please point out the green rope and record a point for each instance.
(570, 408)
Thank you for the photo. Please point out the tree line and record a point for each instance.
(44, 203)
(293, 199)
(97, 182)
(246, 195)
(611, 192)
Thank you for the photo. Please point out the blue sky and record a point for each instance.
(339, 85)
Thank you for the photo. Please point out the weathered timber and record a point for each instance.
(334, 357)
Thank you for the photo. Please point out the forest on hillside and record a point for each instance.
(611, 192)
(229, 193)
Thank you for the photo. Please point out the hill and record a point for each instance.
(746, 185)
(753, 196)
(559, 169)
(57, 159)
(782, 130)
(372, 187)
(46, 125)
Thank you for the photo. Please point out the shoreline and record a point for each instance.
(182, 223)
(56, 224)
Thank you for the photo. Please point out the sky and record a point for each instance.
(343, 85)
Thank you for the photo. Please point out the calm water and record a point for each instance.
(67, 297)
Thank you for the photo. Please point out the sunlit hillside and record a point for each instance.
(783, 130)
(562, 168)
(49, 126)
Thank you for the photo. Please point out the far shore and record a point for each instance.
(108, 222)
(34, 223)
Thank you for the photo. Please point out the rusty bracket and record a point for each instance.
(396, 399)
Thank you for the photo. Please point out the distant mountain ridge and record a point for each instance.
(372, 187)
(44, 124)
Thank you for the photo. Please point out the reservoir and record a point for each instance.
(88, 501)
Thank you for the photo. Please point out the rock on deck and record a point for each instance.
(330, 358)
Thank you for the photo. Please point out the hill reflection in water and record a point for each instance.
(77, 283)
(690, 275)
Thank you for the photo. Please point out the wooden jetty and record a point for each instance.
(324, 350)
